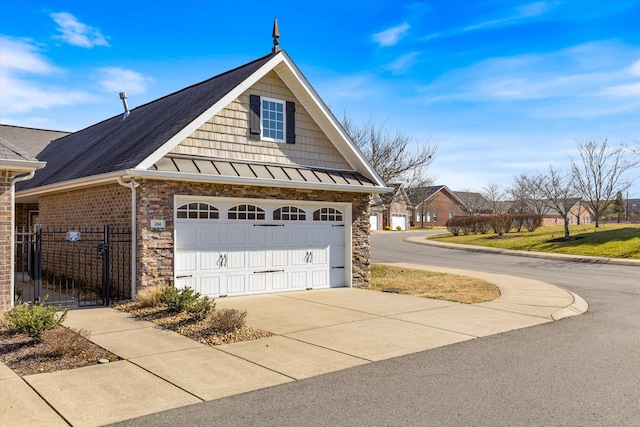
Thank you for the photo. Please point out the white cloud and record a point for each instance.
(635, 69)
(114, 79)
(391, 36)
(403, 63)
(76, 33)
(18, 94)
(21, 55)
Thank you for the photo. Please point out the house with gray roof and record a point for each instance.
(241, 184)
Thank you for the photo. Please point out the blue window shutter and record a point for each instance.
(291, 122)
(254, 117)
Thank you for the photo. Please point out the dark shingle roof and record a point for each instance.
(28, 142)
(418, 195)
(117, 144)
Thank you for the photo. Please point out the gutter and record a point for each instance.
(195, 177)
(132, 184)
(12, 239)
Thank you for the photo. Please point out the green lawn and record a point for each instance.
(610, 240)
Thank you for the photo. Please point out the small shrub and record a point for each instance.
(398, 227)
(186, 300)
(227, 320)
(387, 227)
(34, 320)
(453, 226)
(148, 297)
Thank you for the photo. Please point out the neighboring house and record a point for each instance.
(435, 205)
(244, 183)
(475, 203)
(15, 165)
(391, 209)
(579, 213)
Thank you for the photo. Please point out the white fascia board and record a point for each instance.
(21, 165)
(257, 182)
(72, 184)
(212, 111)
(345, 146)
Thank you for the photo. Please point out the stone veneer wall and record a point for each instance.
(6, 269)
(155, 247)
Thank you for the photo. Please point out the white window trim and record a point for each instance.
(284, 120)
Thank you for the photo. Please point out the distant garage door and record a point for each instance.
(398, 220)
(373, 222)
(240, 247)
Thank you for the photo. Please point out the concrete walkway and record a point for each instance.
(317, 332)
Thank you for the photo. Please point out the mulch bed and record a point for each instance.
(59, 349)
(202, 331)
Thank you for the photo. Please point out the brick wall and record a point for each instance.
(226, 134)
(6, 269)
(155, 247)
(443, 205)
(91, 207)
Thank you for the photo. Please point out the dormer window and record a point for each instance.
(272, 119)
(272, 114)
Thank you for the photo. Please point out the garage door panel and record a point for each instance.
(236, 236)
(236, 257)
(209, 261)
(209, 236)
(298, 279)
(319, 279)
(258, 236)
(235, 260)
(257, 259)
(280, 281)
(280, 258)
(209, 285)
(236, 284)
(186, 261)
(258, 282)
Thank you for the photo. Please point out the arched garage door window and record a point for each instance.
(289, 213)
(198, 211)
(246, 212)
(327, 214)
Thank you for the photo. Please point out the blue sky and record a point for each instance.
(502, 87)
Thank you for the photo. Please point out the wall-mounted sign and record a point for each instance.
(158, 223)
(73, 235)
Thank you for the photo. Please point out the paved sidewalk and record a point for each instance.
(316, 331)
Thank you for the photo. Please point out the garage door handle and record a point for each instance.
(184, 276)
(338, 225)
(337, 267)
(268, 225)
(268, 271)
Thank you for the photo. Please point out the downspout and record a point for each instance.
(12, 239)
(132, 185)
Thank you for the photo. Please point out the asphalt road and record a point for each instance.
(581, 371)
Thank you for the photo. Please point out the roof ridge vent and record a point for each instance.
(276, 35)
(123, 96)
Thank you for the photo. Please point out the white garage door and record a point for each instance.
(231, 247)
(399, 220)
(373, 222)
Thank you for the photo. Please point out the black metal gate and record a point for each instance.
(73, 268)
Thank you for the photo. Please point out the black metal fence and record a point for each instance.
(73, 268)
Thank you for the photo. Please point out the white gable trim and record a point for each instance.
(304, 93)
(212, 111)
(325, 119)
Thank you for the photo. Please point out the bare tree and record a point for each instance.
(496, 196)
(526, 190)
(394, 158)
(557, 189)
(599, 173)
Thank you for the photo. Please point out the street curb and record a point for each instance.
(578, 307)
(530, 254)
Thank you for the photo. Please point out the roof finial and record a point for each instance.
(275, 34)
